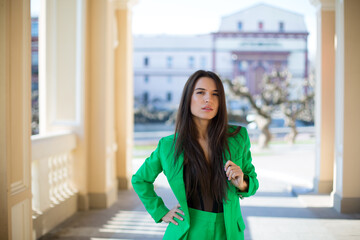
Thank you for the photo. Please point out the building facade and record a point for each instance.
(249, 43)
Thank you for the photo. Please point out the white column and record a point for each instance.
(325, 95)
(15, 120)
(102, 149)
(124, 93)
(347, 111)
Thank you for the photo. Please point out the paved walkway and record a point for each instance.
(275, 212)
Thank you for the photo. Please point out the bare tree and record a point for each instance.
(274, 95)
(299, 109)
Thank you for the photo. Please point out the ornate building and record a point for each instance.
(249, 43)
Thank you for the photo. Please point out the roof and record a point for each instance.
(263, 5)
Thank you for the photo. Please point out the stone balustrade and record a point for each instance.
(52, 178)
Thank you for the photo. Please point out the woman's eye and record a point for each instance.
(199, 92)
(215, 94)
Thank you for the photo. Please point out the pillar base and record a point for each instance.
(346, 205)
(123, 183)
(83, 202)
(323, 186)
(103, 200)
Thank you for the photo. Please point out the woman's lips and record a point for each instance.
(207, 109)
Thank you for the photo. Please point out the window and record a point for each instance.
(281, 26)
(244, 65)
(261, 25)
(146, 61)
(145, 98)
(240, 26)
(191, 62)
(240, 67)
(169, 96)
(169, 61)
(146, 78)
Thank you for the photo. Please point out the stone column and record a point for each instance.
(325, 96)
(15, 120)
(347, 111)
(101, 111)
(124, 92)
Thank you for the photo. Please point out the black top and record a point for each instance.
(198, 200)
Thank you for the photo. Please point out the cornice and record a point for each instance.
(327, 5)
(124, 4)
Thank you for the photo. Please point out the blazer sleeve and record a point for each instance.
(248, 168)
(143, 184)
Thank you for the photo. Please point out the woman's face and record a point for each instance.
(205, 99)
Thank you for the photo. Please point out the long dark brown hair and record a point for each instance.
(209, 176)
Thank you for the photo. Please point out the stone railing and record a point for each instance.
(52, 179)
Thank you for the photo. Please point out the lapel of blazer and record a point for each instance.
(176, 181)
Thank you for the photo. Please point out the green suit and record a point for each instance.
(161, 160)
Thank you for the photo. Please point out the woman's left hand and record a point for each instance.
(236, 176)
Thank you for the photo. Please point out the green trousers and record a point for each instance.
(206, 225)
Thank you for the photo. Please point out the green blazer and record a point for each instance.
(161, 160)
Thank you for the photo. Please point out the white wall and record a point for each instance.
(270, 16)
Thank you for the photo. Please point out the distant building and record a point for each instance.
(249, 43)
(35, 75)
(34, 53)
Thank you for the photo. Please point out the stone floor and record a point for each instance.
(284, 207)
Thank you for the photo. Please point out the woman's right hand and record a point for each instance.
(169, 217)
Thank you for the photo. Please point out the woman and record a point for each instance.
(207, 164)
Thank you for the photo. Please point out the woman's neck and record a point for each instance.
(201, 126)
(203, 140)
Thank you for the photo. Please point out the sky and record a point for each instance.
(177, 17)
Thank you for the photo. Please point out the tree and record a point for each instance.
(274, 95)
(302, 108)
